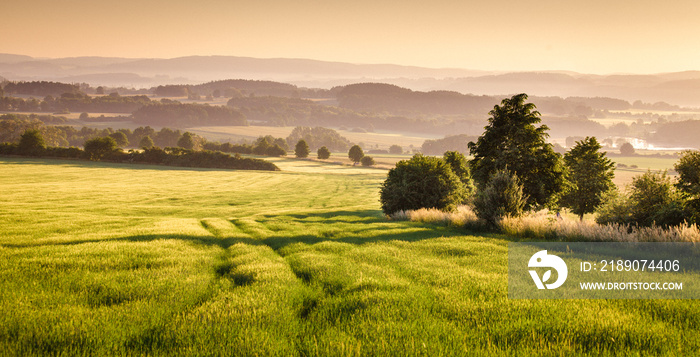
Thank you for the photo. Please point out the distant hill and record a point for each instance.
(681, 88)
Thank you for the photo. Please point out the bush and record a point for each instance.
(501, 197)
(8, 148)
(367, 161)
(323, 153)
(71, 152)
(421, 182)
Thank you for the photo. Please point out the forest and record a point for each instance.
(366, 107)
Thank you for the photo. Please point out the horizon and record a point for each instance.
(486, 71)
(593, 37)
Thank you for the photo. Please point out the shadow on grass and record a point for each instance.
(198, 240)
(369, 226)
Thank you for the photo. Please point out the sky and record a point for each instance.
(590, 36)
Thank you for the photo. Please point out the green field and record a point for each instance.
(105, 259)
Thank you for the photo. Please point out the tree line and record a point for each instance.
(106, 148)
(515, 170)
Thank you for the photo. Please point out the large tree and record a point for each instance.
(512, 142)
(590, 175)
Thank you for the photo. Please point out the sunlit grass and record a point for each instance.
(104, 259)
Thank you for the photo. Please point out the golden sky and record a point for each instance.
(592, 36)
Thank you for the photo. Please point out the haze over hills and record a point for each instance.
(679, 88)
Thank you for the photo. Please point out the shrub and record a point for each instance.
(8, 148)
(367, 161)
(323, 153)
(421, 182)
(501, 197)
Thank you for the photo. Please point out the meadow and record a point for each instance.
(105, 259)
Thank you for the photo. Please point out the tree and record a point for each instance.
(590, 175)
(502, 196)
(688, 168)
(627, 149)
(84, 116)
(146, 142)
(460, 166)
(32, 143)
(323, 153)
(186, 141)
(355, 154)
(261, 146)
(275, 150)
(99, 148)
(367, 161)
(301, 150)
(421, 182)
(512, 141)
(120, 138)
(395, 150)
(652, 200)
(655, 201)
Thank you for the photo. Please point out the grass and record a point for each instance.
(105, 259)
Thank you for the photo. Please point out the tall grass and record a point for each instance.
(544, 225)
